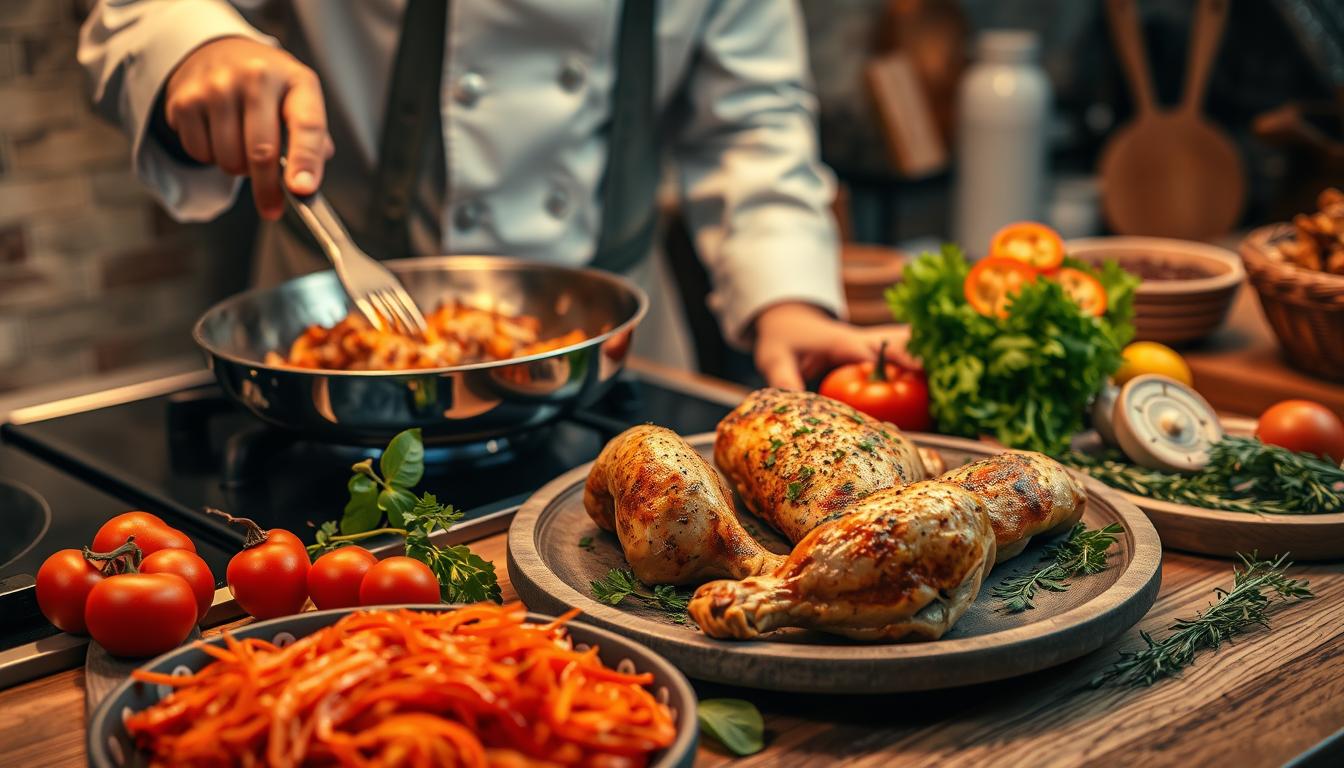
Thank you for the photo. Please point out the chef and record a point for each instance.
(532, 128)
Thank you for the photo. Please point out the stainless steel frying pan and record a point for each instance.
(457, 404)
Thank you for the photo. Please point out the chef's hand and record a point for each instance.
(797, 341)
(226, 101)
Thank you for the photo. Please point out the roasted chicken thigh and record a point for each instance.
(1026, 495)
(797, 458)
(671, 511)
(904, 563)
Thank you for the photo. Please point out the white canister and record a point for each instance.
(1002, 110)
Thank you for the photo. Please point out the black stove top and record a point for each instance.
(175, 453)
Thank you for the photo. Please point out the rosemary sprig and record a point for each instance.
(1243, 475)
(1256, 588)
(1082, 552)
(621, 583)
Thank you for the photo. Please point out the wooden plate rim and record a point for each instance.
(1126, 600)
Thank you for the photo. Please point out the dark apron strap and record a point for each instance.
(412, 114)
(630, 182)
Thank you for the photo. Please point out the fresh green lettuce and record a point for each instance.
(1026, 379)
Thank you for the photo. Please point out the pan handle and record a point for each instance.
(1206, 32)
(1128, 36)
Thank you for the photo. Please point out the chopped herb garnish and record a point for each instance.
(855, 417)
(795, 490)
(782, 409)
(813, 420)
(802, 431)
(806, 472)
(868, 446)
(838, 453)
(770, 457)
(586, 543)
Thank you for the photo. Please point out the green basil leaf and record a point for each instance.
(735, 723)
(396, 503)
(403, 463)
(361, 511)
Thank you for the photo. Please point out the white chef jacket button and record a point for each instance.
(468, 89)
(467, 215)
(557, 202)
(573, 74)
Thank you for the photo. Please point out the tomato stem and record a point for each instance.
(123, 559)
(880, 370)
(255, 535)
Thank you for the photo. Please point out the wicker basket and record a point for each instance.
(1304, 307)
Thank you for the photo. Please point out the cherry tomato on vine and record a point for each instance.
(888, 392)
(1304, 426)
(335, 578)
(63, 585)
(992, 283)
(399, 580)
(191, 568)
(140, 614)
(150, 531)
(269, 578)
(1029, 242)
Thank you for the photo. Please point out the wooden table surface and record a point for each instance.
(1262, 701)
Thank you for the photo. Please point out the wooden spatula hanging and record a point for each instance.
(1170, 173)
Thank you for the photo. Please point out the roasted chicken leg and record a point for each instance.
(1026, 495)
(798, 458)
(671, 511)
(905, 563)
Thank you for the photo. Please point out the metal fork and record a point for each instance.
(377, 292)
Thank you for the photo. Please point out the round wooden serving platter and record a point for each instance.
(552, 572)
(1224, 533)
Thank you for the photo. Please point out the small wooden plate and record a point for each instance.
(1223, 533)
(552, 572)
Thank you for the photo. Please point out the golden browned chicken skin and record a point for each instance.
(1026, 494)
(671, 511)
(905, 563)
(798, 459)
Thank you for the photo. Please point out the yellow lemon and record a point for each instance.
(1150, 357)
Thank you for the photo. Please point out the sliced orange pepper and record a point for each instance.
(993, 282)
(1029, 242)
(1086, 290)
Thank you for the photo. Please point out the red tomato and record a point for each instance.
(1303, 426)
(140, 614)
(1085, 290)
(399, 580)
(992, 283)
(270, 579)
(335, 578)
(891, 393)
(63, 585)
(190, 567)
(1029, 242)
(151, 534)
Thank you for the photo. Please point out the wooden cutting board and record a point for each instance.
(1170, 173)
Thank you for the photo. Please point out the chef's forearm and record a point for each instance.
(755, 192)
(129, 50)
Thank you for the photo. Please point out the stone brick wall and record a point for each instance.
(93, 276)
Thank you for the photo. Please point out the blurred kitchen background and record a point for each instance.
(95, 280)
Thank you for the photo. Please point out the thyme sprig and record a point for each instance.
(1243, 475)
(1257, 587)
(1082, 552)
(621, 583)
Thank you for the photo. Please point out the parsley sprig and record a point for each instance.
(1257, 587)
(464, 577)
(621, 583)
(1082, 552)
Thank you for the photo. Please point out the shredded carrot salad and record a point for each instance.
(475, 686)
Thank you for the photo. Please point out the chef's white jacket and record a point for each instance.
(525, 91)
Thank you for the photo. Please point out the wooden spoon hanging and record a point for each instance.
(1170, 173)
